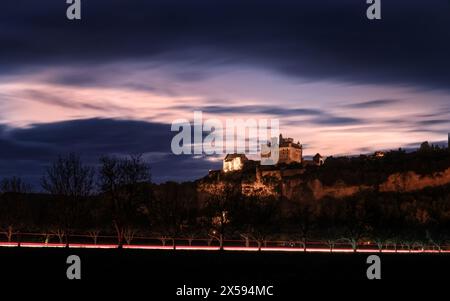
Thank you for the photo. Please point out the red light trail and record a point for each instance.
(217, 248)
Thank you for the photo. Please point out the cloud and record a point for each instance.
(313, 116)
(329, 40)
(97, 135)
(329, 120)
(433, 122)
(26, 151)
(57, 100)
(372, 104)
(251, 109)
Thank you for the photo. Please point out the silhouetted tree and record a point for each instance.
(13, 213)
(303, 217)
(219, 210)
(68, 177)
(259, 219)
(125, 183)
(14, 185)
(174, 209)
(71, 182)
(425, 147)
(355, 223)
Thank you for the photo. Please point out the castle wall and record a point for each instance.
(289, 154)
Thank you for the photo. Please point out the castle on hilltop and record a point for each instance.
(289, 152)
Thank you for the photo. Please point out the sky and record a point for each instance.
(114, 81)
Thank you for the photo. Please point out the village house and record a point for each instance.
(318, 160)
(234, 162)
(379, 154)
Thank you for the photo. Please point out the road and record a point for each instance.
(216, 248)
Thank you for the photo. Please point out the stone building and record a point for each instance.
(379, 154)
(318, 159)
(234, 162)
(290, 152)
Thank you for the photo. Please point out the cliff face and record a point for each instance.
(410, 181)
(338, 190)
(295, 187)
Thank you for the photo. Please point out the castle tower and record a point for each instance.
(290, 151)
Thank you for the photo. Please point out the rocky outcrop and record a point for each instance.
(398, 182)
(410, 181)
(295, 187)
(339, 190)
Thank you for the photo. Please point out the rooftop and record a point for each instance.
(230, 157)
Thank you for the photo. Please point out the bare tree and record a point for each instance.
(9, 233)
(119, 232)
(94, 235)
(191, 238)
(217, 236)
(257, 219)
(13, 212)
(61, 234)
(69, 180)
(47, 236)
(164, 239)
(14, 185)
(68, 177)
(258, 237)
(356, 225)
(303, 217)
(125, 184)
(220, 210)
(171, 209)
(247, 239)
(129, 234)
(331, 242)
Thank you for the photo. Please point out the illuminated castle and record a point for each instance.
(290, 152)
(233, 162)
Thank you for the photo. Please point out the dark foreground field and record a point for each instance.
(170, 269)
